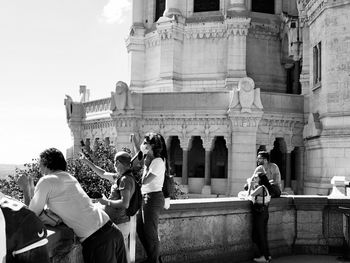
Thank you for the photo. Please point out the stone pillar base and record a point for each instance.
(288, 190)
(184, 188)
(206, 190)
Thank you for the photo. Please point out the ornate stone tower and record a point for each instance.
(209, 75)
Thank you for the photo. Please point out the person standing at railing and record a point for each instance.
(258, 193)
(101, 239)
(121, 191)
(155, 157)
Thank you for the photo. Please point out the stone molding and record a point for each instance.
(170, 29)
(98, 124)
(309, 10)
(245, 120)
(264, 31)
(152, 40)
(272, 127)
(135, 43)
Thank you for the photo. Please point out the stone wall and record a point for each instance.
(200, 230)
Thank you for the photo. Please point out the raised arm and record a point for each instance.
(96, 169)
(135, 143)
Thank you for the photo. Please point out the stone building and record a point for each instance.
(222, 79)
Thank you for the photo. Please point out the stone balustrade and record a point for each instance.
(199, 230)
(95, 106)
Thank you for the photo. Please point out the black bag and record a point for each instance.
(135, 200)
(169, 186)
(275, 191)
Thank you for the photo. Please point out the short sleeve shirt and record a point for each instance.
(63, 194)
(126, 183)
(157, 167)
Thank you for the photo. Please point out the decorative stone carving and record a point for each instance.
(68, 102)
(313, 127)
(84, 94)
(291, 40)
(246, 95)
(121, 98)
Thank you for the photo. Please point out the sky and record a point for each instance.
(48, 48)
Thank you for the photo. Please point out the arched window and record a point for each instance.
(160, 8)
(263, 6)
(206, 5)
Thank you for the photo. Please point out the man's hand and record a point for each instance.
(25, 182)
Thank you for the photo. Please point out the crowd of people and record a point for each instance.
(104, 230)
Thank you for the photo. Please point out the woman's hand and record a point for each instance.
(166, 203)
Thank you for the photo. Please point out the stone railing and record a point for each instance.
(95, 106)
(198, 230)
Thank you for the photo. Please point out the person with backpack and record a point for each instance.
(155, 168)
(122, 198)
(259, 194)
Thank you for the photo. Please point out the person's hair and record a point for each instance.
(123, 157)
(157, 142)
(53, 159)
(264, 180)
(264, 155)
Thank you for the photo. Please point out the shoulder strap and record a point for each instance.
(263, 194)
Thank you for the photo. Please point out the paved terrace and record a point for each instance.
(219, 230)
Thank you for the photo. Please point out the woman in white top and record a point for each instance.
(155, 157)
(260, 196)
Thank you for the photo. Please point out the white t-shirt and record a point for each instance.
(157, 167)
(63, 194)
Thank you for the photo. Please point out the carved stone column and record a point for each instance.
(135, 45)
(243, 149)
(137, 12)
(171, 35)
(278, 7)
(229, 165)
(76, 136)
(299, 169)
(237, 30)
(245, 113)
(184, 144)
(288, 181)
(236, 5)
(207, 188)
(172, 7)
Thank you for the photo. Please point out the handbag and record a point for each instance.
(50, 218)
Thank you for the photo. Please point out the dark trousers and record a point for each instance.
(147, 224)
(260, 219)
(105, 245)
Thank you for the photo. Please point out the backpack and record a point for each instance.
(136, 198)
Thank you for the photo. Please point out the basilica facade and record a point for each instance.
(223, 79)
